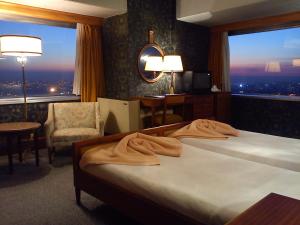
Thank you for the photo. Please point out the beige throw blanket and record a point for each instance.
(134, 149)
(203, 128)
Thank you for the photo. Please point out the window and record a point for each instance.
(48, 75)
(266, 63)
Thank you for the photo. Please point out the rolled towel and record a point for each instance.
(134, 149)
(203, 128)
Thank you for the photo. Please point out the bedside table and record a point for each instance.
(274, 209)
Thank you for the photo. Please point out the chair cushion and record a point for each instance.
(170, 118)
(76, 114)
(74, 134)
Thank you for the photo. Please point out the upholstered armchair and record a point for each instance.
(71, 122)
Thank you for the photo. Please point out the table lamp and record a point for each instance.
(172, 64)
(154, 63)
(21, 46)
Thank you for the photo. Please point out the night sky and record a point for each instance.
(59, 48)
(249, 53)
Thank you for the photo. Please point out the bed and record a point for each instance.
(262, 148)
(222, 187)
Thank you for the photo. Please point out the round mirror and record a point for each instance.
(149, 50)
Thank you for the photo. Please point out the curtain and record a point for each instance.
(219, 60)
(226, 86)
(89, 77)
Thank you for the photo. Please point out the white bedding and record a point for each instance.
(209, 187)
(268, 149)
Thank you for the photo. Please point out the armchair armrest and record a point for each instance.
(100, 126)
(49, 128)
(49, 125)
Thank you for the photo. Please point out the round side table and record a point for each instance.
(17, 129)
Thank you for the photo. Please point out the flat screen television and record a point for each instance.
(201, 83)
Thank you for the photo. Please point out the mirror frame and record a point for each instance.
(158, 48)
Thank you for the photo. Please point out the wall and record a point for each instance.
(174, 37)
(12, 113)
(277, 117)
(115, 56)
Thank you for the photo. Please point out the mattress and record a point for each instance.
(210, 187)
(268, 149)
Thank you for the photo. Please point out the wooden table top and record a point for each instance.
(15, 127)
(274, 209)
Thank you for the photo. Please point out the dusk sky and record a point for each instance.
(249, 53)
(58, 44)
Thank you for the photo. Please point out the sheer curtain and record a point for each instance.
(88, 78)
(219, 60)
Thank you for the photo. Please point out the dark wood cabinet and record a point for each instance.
(212, 106)
(203, 106)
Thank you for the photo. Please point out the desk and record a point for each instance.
(157, 102)
(209, 106)
(274, 209)
(17, 129)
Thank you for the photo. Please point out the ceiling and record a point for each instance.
(217, 12)
(98, 8)
(204, 12)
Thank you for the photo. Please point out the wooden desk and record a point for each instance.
(157, 102)
(209, 106)
(17, 129)
(274, 209)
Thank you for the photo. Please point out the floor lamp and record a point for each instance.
(21, 47)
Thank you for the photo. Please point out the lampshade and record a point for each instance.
(172, 63)
(154, 63)
(16, 45)
(296, 62)
(273, 67)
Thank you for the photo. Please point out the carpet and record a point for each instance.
(45, 195)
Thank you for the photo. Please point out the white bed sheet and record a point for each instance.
(209, 187)
(268, 149)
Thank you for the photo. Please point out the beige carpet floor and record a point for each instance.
(45, 195)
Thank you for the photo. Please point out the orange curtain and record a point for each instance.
(216, 56)
(89, 74)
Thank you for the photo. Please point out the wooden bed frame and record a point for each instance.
(136, 206)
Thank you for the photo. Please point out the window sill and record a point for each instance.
(13, 101)
(271, 97)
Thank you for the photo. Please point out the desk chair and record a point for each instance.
(169, 117)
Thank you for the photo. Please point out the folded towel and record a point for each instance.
(134, 149)
(203, 128)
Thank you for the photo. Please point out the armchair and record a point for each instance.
(71, 122)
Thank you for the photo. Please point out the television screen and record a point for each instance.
(201, 82)
(187, 80)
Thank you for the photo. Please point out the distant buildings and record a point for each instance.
(258, 85)
(11, 89)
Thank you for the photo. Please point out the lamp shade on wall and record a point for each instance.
(273, 67)
(296, 62)
(17, 45)
(154, 63)
(172, 63)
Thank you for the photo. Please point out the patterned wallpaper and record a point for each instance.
(36, 112)
(174, 37)
(115, 56)
(268, 116)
